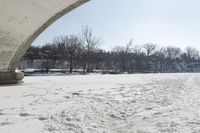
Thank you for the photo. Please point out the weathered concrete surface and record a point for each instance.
(10, 77)
(21, 21)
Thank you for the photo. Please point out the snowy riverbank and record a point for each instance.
(140, 103)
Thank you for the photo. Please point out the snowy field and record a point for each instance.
(146, 103)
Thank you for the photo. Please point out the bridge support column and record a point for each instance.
(10, 77)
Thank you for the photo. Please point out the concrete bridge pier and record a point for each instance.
(10, 77)
(21, 22)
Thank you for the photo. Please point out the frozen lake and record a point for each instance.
(140, 103)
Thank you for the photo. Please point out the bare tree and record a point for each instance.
(89, 43)
(189, 56)
(122, 55)
(149, 48)
(70, 47)
(173, 52)
(192, 52)
(137, 50)
(173, 56)
(160, 59)
(139, 58)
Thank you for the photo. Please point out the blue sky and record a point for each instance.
(163, 22)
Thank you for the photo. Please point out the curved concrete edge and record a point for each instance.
(11, 77)
(22, 40)
(23, 47)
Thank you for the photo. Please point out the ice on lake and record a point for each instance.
(138, 103)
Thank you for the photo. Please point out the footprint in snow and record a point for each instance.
(42, 118)
(24, 114)
(75, 94)
(5, 123)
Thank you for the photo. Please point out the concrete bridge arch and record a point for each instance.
(21, 22)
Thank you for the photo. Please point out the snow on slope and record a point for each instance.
(143, 103)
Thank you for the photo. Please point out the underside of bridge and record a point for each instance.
(21, 22)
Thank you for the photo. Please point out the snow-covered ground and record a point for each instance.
(141, 103)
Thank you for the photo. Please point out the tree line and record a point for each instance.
(83, 52)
